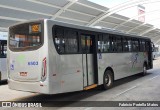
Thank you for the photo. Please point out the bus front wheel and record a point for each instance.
(107, 80)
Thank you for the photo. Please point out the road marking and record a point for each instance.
(89, 108)
(154, 77)
(125, 91)
(135, 86)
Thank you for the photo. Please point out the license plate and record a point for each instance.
(23, 73)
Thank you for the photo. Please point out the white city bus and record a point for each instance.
(3, 59)
(52, 57)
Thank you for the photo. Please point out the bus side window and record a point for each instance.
(147, 45)
(114, 44)
(119, 44)
(83, 43)
(103, 43)
(125, 45)
(143, 47)
(59, 40)
(106, 45)
(86, 43)
(140, 45)
(130, 45)
(135, 45)
(71, 43)
(66, 40)
(100, 43)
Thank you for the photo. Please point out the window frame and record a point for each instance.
(100, 36)
(65, 36)
(103, 39)
(22, 49)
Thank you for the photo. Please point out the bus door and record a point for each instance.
(89, 60)
(150, 56)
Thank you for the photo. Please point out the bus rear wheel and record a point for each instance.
(107, 80)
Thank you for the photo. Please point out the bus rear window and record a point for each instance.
(25, 36)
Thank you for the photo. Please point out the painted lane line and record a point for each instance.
(135, 86)
(125, 91)
(89, 108)
(154, 77)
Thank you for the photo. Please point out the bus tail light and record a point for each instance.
(44, 69)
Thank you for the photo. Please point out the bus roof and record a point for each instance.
(109, 31)
(81, 27)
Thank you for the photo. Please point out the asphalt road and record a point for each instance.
(133, 88)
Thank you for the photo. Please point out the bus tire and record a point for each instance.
(144, 69)
(107, 79)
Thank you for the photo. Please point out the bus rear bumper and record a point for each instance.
(38, 87)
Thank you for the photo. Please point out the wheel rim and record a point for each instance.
(108, 80)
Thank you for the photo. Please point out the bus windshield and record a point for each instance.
(25, 36)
